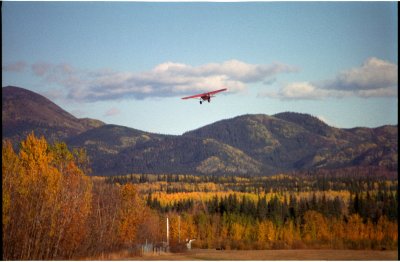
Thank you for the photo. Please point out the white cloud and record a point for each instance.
(304, 90)
(373, 74)
(301, 90)
(379, 92)
(374, 78)
(166, 79)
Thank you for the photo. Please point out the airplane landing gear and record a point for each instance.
(201, 102)
(209, 100)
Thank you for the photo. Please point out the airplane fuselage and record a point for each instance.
(206, 98)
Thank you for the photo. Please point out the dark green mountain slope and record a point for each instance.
(122, 150)
(309, 123)
(248, 144)
(291, 141)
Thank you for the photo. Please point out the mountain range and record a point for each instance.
(244, 145)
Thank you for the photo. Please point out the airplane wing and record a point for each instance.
(205, 94)
(199, 95)
(216, 91)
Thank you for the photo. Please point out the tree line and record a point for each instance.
(354, 180)
(314, 230)
(242, 223)
(53, 209)
(370, 207)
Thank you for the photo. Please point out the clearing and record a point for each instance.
(301, 254)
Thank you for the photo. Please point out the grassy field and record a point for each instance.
(209, 254)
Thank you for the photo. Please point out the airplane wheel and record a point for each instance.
(201, 102)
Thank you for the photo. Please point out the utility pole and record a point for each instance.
(167, 232)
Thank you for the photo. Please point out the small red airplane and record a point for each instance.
(205, 96)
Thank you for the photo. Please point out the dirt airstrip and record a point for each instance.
(303, 254)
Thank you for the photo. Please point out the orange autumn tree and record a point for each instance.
(74, 202)
(10, 169)
(131, 214)
(46, 201)
(33, 200)
(10, 182)
(315, 227)
(266, 233)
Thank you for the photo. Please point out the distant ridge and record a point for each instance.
(245, 145)
(308, 122)
(24, 110)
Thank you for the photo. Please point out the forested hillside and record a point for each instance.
(244, 145)
(293, 141)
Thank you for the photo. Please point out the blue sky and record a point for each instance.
(128, 63)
